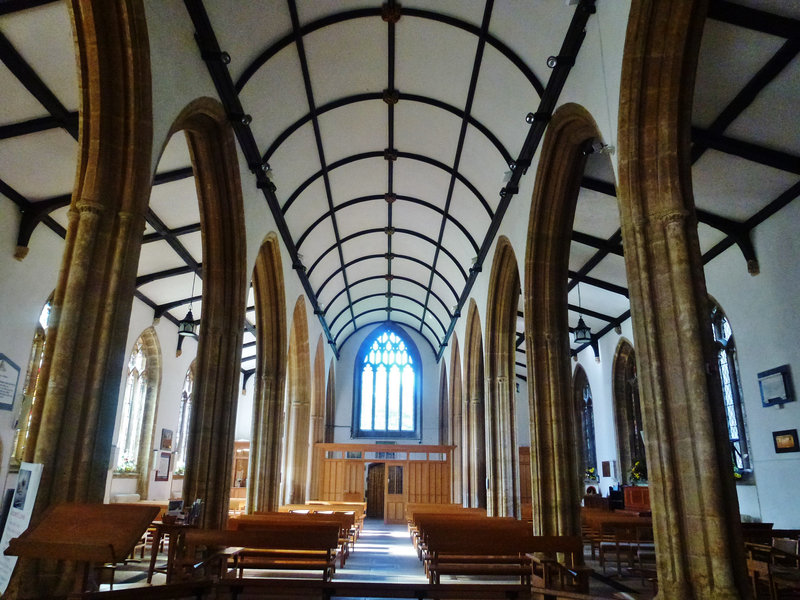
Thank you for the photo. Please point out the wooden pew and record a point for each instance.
(508, 549)
(359, 510)
(289, 546)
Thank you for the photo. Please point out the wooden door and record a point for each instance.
(376, 484)
(394, 497)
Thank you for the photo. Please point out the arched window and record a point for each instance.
(183, 424)
(731, 393)
(388, 374)
(583, 398)
(627, 409)
(22, 436)
(132, 409)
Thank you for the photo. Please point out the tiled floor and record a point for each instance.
(384, 553)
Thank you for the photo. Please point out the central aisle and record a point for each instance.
(383, 553)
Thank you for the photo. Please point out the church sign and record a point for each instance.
(9, 378)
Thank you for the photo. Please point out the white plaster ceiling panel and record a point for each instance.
(249, 352)
(312, 10)
(193, 242)
(327, 264)
(43, 37)
(483, 166)
(367, 268)
(407, 288)
(410, 322)
(356, 179)
(450, 272)
(598, 166)
(612, 270)
(365, 305)
(18, 103)
(441, 289)
(342, 335)
(424, 129)
(61, 216)
(175, 202)
(469, 12)
(771, 120)
(175, 288)
(578, 255)
(175, 154)
(412, 246)
(337, 312)
(288, 172)
(596, 214)
(467, 208)
(333, 286)
(371, 243)
(779, 7)
(364, 215)
(453, 239)
(306, 209)
(360, 67)
(416, 218)
(420, 180)
(433, 60)
(411, 308)
(708, 237)
(251, 297)
(275, 96)
(734, 187)
(353, 129)
(533, 34)
(22, 159)
(413, 270)
(729, 57)
(503, 97)
(245, 28)
(248, 337)
(602, 301)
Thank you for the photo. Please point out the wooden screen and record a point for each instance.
(412, 474)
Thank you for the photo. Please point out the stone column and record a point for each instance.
(457, 442)
(466, 444)
(265, 447)
(477, 454)
(695, 508)
(507, 454)
(296, 451)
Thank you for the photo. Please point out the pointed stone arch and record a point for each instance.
(473, 412)
(317, 425)
(556, 493)
(627, 407)
(502, 458)
(298, 396)
(271, 344)
(215, 394)
(695, 507)
(456, 422)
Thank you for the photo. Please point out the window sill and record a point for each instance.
(125, 475)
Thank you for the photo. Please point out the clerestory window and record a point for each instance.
(388, 377)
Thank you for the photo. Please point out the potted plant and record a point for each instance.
(637, 475)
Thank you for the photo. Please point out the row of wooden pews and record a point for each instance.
(453, 541)
(314, 538)
(624, 537)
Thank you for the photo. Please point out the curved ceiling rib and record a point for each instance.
(394, 295)
(376, 277)
(383, 257)
(382, 154)
(381, 197)
(282, 43)
(372, 96)
(395, 231)
(377, 321)
(391, 310)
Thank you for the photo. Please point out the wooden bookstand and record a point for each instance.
(85, 533)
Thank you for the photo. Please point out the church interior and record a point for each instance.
(533, 259)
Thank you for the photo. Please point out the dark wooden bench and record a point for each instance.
(285, 547)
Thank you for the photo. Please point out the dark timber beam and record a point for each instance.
(36, 125)
(782, 161)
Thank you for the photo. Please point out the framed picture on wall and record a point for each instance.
(162, 468)
(166, 439)
(785, 441)
(775, 386)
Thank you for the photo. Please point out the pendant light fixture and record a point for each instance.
(187, 326)
(582, 333)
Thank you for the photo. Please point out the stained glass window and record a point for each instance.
(387, 380)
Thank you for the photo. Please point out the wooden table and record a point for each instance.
(173, 531)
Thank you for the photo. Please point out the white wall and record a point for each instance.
(344, 389)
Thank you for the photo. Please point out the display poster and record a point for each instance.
(19, 515)
(9, 379)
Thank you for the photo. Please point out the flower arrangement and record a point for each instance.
(126, 465)
(180, 470)
(590, 474)
(638, 472)
(737, 472)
